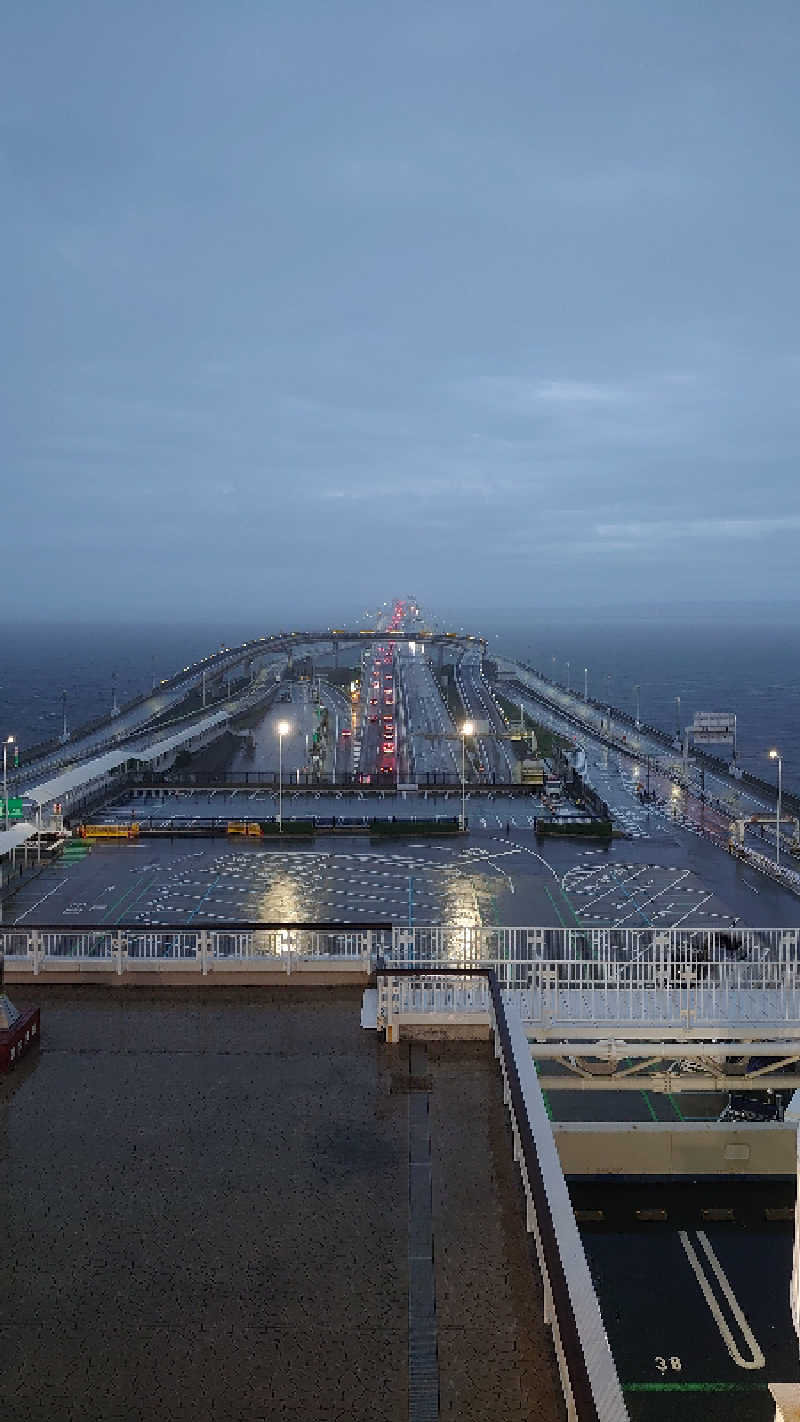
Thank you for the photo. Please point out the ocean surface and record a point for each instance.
(750, 667)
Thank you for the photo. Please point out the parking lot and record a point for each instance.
(631, 895)
(693, 1282)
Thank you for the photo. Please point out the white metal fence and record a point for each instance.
(668, 979)
(194, 949)
(604, 980)
(483, 946)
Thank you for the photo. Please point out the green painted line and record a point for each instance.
(108, 917)
(568, 903)
(695, 1387)
(648, 1103)
(676, 1108)
(548, 1108)
(555, 907)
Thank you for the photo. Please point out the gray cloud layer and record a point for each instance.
(498, 302)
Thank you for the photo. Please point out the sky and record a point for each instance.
(307, 305)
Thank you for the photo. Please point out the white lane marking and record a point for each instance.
(757, 1360)
(694, 909)
(38, 902)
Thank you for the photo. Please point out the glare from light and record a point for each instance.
(283, 728)
(467, 728)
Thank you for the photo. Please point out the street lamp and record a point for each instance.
(586, 683)
(773, 755)
(283, 730)
(568, 667)
(466, 730)
(9, 742)
(637, 689)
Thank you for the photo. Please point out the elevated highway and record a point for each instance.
(215, 670)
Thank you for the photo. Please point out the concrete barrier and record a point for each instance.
(686, 1148)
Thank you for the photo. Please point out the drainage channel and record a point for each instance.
(423, 1364)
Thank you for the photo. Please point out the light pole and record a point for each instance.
(466, 730)
(6, 743)
(568, 667)
(586, 683)
(637, 689)
(773, 755)
(677, 718)
(283, 730)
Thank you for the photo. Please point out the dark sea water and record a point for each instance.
(751, 667)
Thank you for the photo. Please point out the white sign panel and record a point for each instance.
(713, 728)
(713, 720)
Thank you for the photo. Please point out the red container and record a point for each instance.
(15, 1041)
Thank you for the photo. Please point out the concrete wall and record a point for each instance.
(685, 1148)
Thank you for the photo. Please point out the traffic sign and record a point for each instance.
(14, 808)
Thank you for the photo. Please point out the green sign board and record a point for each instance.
(14, 808)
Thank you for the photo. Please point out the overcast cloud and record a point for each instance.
(308, 304)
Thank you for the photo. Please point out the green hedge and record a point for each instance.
(289, 827)
(596, 829)
(405, 827)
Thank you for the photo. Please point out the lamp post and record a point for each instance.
(568, 667)
(773, 755)
(283, 730)
(637, 689)
(6, 743)
(586, 683)
(466, 730)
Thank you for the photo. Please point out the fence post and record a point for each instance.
(204, 952)
(392, 1025)
(368, 950)
(289, 953)
(116, 953)
(35, 949)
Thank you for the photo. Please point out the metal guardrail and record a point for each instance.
(200, 948)
(589, 1380)
(474, 944)
(593, 981)
(604, 980)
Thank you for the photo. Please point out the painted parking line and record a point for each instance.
(40, 901)
(756, 1359)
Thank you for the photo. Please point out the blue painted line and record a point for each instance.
(202, 900)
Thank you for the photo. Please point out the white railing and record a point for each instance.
(591, 1387)
(589, 1379)
(477, 946)
(580, 996)
(202, 949)
(669, 980)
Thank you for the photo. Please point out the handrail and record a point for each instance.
(588, 1400)
(200, 925)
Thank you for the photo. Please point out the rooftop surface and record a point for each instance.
(208, 1213)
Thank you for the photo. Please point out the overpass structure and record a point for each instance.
(145, 711)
